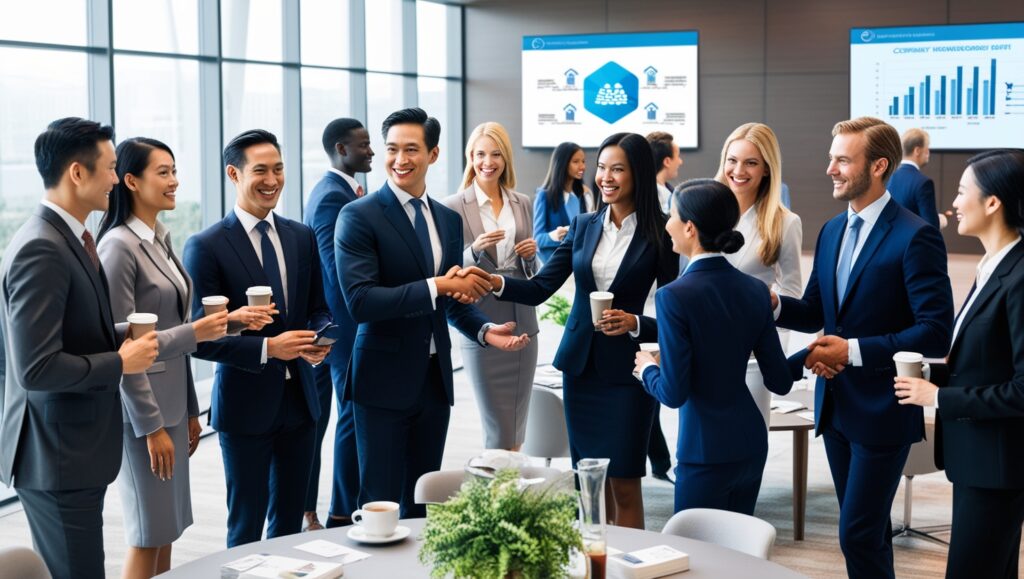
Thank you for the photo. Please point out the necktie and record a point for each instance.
(423, 234)
(90, 249)
(271, 267)
(359, 191)
(846, 259)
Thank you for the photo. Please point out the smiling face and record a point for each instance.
(355, 152)
(488, 162)
(154, 190)
(260, 182)
(614, 176)
(744, 168)
(93, 187)
(851, 172)
(975, 213)
(576, 168)
(407, 157)
(681, 232)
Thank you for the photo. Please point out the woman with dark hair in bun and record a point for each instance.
(709, 322)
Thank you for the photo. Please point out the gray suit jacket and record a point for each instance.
(464, 203)
(141, 281)
(61, 426)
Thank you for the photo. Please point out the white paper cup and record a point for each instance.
(141, 324)
(378, 519)
(259, 295)
(599, 302)
(908, 364)
(214, 304)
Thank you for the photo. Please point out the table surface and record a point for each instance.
(790, 420)
(401, 559)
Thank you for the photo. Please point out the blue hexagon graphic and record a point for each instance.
(611, 92)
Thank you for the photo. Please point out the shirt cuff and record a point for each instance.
(644, 369)
(936, 405)
(778, 309)
(498, 292)
(483, 332)
(432, 288)
(636, 334)
(854, 355)
(551, 234)
(263, 352)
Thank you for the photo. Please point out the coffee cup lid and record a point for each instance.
(214, 300)
(259, 290)
(907, 357)
(649, 347)
(140, 318)
(601, 295)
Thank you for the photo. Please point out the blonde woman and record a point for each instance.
(497, 225)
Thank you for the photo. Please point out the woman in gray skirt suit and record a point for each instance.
(160, 407)
(497, 223)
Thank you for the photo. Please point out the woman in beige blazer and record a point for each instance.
(497, 224)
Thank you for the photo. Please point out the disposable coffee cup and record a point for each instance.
(909, 364)
(599, 302)
(378, 519)
(214, 304)
(654, 350)
(259, 295)
(141, 324)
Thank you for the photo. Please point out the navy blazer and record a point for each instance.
(898, 299)
(325, 202)
(641, 267)
(914, 190)
(221, 261)
(547, 218)
(383, 271)
(709, 321)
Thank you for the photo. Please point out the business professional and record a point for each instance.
(60, 438)
(667, 161)
(562, 197)
(398, 253)
(621, 248)
(347, 144)
(710, 320)
(908, 185)
(265, 403)
(497, 230)
(878, 286)
(980, 422)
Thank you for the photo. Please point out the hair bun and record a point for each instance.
(729, 241)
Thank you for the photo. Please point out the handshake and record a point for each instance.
(467, 285)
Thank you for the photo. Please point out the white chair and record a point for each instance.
(437, 487)
(921, 460)
(22, 563)
(735, 531)
(546, 434)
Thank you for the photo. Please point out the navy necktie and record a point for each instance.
(423, 234)
(846, 259)
(271, 267)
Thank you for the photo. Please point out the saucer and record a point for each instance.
(358, 534)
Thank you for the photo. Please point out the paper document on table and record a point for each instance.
(274, 566)
(786, 406)
(647, 563)
(328, 549)
(809, 415)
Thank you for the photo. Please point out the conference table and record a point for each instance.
(799, 426)
(400, 559)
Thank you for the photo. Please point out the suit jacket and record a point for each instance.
(980, 421)
(546, 218)
(329, 195)
(222, 261)
(914, 190)
(61, 426)
(383, 271)
(465, 204)
(640, 268)
(898, 299)
(141, 281)
(709, 322)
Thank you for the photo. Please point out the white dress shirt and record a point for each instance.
(664, 197)
(249, 223)
(148, 235)
(784, 276)
(77, 227)
(611, 250)
(348, 179)
(505, 249)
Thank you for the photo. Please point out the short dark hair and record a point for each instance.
(415, 116)
(66, 141)
(1001, 173)
(234, 151)
(713, 209)
(337, 131)
(661, 147)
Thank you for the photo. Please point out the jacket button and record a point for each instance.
(839, 329)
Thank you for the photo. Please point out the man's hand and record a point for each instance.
(526, 249)
(916, 391)
(558, 233)
(828, 356)
(316, 356)
(465, 285)
(501, 337)
(486, 240)
(617, 322)
(254, 317)
(161, 454)
(291, 345)
(642, 359)
(137, 355)
(211, 327)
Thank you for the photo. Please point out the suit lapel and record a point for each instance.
(442, 236)
(637, 246)
(186, 298)
(342, 185)
(474, 221)
(878, 234)
(162, 265)
(591, 237)
(289, 246)
(394, 213)
(829, 263)
(239, 241)
(524, 226)
(991, 287)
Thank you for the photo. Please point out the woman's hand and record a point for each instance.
(486, 240)
(526, 249)
(642, 359)
(254, 317)
(915, 391)
(194, 430)
(211, 327)
(161, 454)
(617, 322)
(558, 233)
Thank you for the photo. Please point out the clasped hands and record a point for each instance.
(467, 285)
(827, 356)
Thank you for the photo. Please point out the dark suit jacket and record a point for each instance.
(641, 267)
(914, 190)
(709, 322)
(980, 422)
(325, 202)
(383, 271)
(898, 299)
(222, 261)
(61, 426)
(546, 218)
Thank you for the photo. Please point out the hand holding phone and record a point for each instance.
(322, 339)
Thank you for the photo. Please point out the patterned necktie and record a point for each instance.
(90, 249)
(846, 259)
(359, 191)
(271, 267)
(423, 234)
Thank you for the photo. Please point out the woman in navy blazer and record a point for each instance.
(562, 197)
(709, 322)
(621, 248)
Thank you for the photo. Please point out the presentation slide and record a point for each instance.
(964, 84)
(583, 88)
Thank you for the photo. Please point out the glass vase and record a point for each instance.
(592, 473)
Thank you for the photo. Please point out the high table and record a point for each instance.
(401, 559)
(800, 427)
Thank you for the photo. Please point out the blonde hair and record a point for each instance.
(499, 135)
(771, 212)
(883, 142)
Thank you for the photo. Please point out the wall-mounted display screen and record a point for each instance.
(964, 84)
(583, 88)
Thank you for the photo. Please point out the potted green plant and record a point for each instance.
(556, 309)
(497, 529)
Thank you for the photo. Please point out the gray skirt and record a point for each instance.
(156, 512)
(503, 382)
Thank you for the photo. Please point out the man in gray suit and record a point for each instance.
(60, 435)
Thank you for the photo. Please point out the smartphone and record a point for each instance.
(322, 339)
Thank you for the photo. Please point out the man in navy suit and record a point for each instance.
(398, 254)
(265, 404)
(879, 286)
(347, 144)
(908, 185)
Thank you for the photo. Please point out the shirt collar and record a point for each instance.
(482, 198)
(911, 163)
(140, 228)
(701, 256)
(348, 178)
(988, 264)
(871, 213)
(628, 224)
(404, 198)
(76, 226)
(250, 221)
